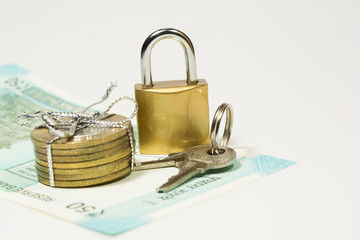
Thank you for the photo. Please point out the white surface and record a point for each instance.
(289, 68)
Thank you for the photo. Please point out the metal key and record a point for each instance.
(198, 159)
(172, 160)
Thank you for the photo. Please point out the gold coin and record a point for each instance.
(83, 174)
(85, 137)
(75, 171)
(86, 150)
(84, 157)
(88, 182)
(123, 154)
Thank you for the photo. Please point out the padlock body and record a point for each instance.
(172, 116)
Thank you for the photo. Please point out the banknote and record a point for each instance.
(111, 208)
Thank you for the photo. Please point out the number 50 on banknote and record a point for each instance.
(98, 208)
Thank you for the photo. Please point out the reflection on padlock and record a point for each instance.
(172, 115)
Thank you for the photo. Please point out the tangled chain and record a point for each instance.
(66, 124)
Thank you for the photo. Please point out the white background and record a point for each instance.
(289, 68)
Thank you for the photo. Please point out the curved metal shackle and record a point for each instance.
(214, 145)
(159, 35)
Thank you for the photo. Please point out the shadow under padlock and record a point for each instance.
(172, 115)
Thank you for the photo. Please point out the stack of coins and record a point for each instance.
(95, 155)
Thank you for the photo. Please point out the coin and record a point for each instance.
(75, 171)
(83, 174)
(88, 182)
(68, 165)
(85, 150)
(93, 156)
(84, 157)
(85, 137)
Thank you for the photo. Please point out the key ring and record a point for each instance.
(214, 146)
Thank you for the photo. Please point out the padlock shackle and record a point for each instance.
(159, 35)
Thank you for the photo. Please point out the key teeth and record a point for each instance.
(161, 190)
(167, 187)
(164, 189)
(188, 170)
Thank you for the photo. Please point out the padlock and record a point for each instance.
(173, 115)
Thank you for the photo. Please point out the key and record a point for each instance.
(172, 160)
(199, 159)
(196, 161)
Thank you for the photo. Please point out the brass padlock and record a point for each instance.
(173, 115)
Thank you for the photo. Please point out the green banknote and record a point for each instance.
(135, 202)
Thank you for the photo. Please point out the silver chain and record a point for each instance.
(66, 124)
